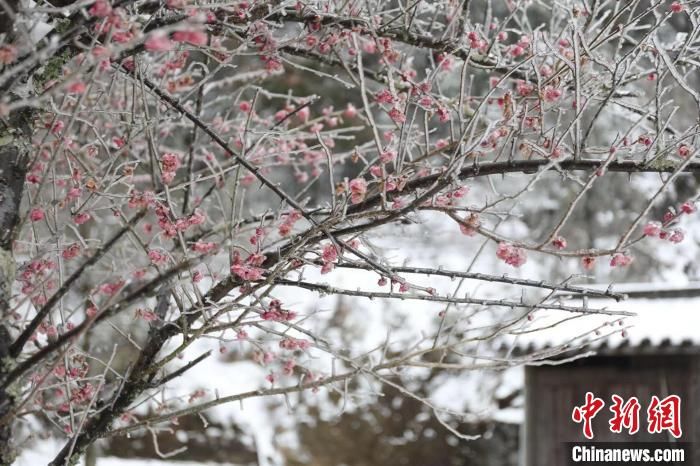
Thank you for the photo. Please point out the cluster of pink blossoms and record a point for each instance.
(169, 164)
(248, 270)
(511, 255)
(294, 344)
(470, 225)
(620, 259)
(288, 221)
(157, 257)
(661, 230)
(34, 274)
(71, 252)
(656, 230)
(276, 313)
(329, 255)
(171, 228)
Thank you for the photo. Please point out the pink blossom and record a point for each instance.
(652, 229)
(146, 315)
(588, 262)
(546, 71)
(176, 4)
(441, 143)
(676, 7)
(157, 257)
(516, 50)
(293, 343)
(111, 288)
(387, 156)
(191, 37)
(677, 236)
(203, 247)
(77, 87)
(281, 115)
(358, 190)
(559, 242)
(122, 37)
(276, 313)
(71, 252)
(170, 162)
(329, 253)
(397, 115)
(57, 127)
(304, 114)
(385, 97)
(471, 225)
(552, 94)
(443, 114)
(511, 255)
(91, 311)
(620, 260)
(288, 367)
(247, 273)
(460, 192)
(327, 267)
(467, 230)
(245, 106)
(683, 151)
(81, 218)
(524, 88)
(197, 218)
(158, 42)
(688, 207)
(36, 214)
(73, 194)
(350, 111)
(100, 9)
(426, 101)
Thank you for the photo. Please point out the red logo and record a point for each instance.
(587, 412)
(662, 415)
(665, 415)
(625, 415)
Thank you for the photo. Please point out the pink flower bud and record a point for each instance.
(36, 214)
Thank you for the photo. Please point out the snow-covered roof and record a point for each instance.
(654, 290)
(659, 324)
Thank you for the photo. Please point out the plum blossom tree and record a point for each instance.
(163, 167)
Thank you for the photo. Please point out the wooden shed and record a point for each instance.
(655, 353)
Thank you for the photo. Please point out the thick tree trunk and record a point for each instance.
(13, 167)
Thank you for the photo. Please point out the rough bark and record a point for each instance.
(12, 172)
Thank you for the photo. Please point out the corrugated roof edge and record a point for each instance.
(645, 290)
